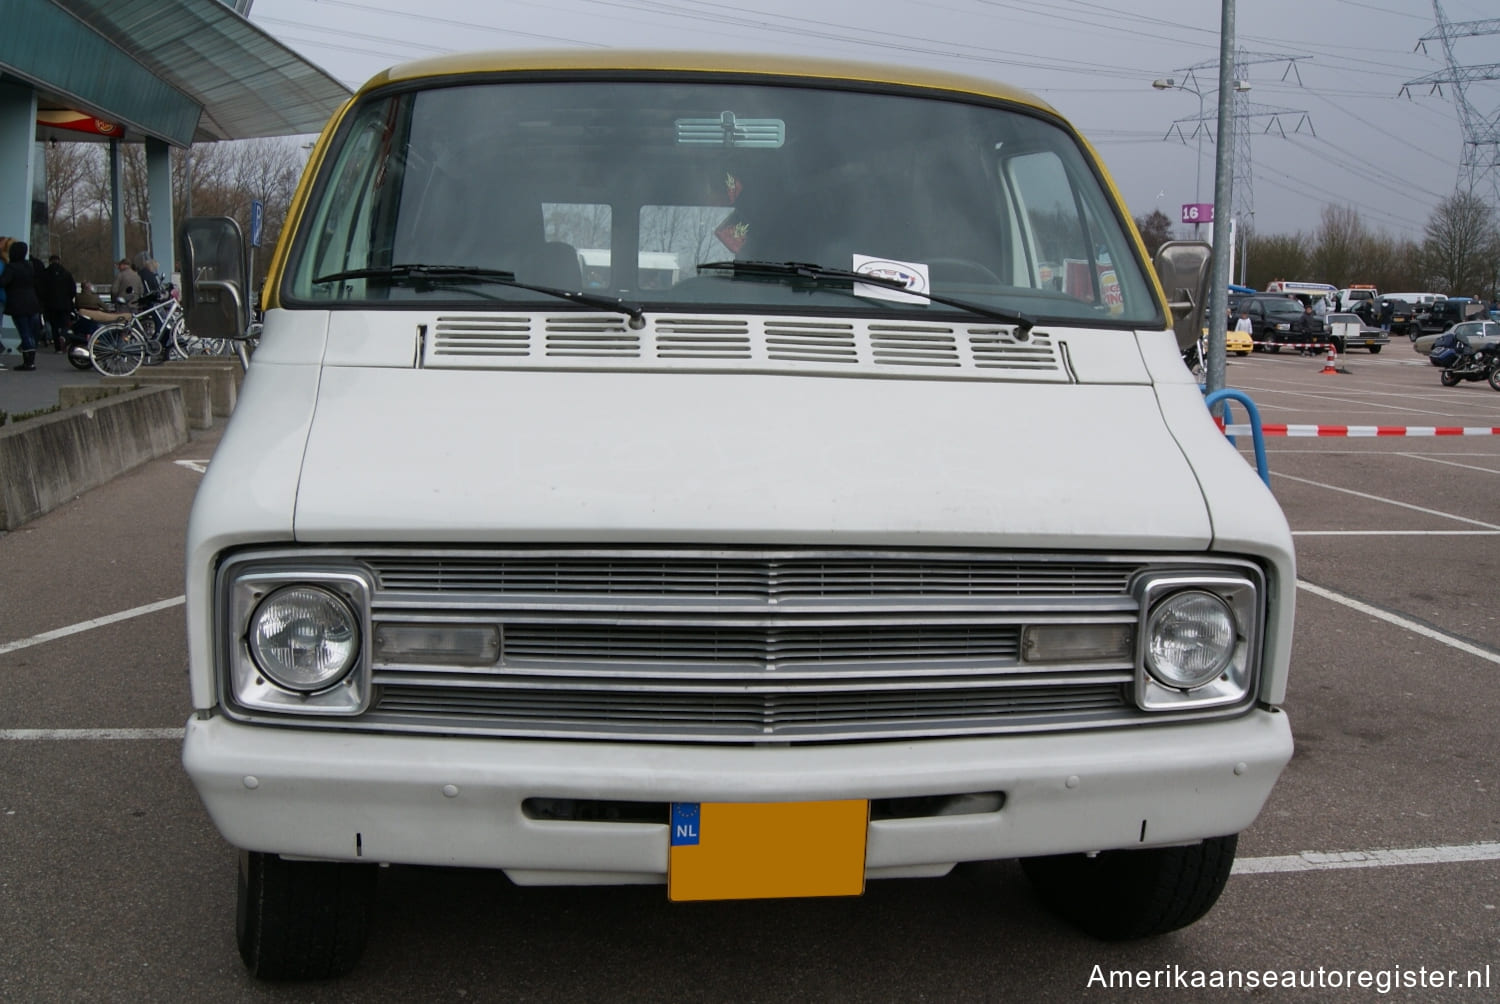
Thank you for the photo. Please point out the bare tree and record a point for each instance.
(1156, 229)
(1277, 256)
(1461, 244)
(1341, 248)
(66, 166)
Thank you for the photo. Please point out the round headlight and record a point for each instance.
(1190, 639)
(304, 638)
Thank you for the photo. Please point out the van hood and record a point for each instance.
(424, 455)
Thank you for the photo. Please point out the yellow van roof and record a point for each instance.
(522, 61)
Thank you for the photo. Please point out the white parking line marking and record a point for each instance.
(1377, 498)
(201, 466)
(1316, 861)
(1424, 408)
(74, 734)
(1449, 463)
(1402, 622)
(1395, 533)
(81, 626)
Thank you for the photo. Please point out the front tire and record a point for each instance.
(1375, 349)
(1120, 895)
(1449, 378)
(1495, 378)
(117, 350)
(302, 920)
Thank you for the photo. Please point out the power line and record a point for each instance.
(1480, 162)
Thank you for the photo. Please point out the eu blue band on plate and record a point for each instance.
(685, 820)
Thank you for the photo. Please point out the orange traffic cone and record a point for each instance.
(1331, 366)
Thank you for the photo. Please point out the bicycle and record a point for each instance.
(150, 337)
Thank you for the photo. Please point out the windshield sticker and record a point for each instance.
(912, 274)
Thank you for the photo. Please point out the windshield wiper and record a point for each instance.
(824, 277)
(431, 275)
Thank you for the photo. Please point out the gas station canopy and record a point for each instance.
(179, 71)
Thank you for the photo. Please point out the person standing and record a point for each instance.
(22, 303)
(58, 292)
(126, 288)
(1245, 324)
(1305, 327)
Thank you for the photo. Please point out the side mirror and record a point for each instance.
(215, 276)
(1183, 267)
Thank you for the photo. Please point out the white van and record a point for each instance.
(869, 545)
(1359, 299)
(1422, 301)
(1305, 291)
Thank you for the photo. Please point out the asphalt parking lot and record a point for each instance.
(1375, 862)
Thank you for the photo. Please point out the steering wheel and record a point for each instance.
(962, 270)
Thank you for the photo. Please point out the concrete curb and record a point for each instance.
(224, 374)
(47, 461)
(197, 398)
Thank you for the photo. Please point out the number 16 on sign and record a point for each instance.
(1197, 212)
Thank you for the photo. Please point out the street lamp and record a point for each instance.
(1166, 84)
(1172, 84)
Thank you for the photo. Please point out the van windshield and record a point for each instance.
(624, 188)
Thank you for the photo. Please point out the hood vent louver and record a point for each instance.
(744, 344)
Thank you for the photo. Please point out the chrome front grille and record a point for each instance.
(746, 645)
(613, 711)
(765, 575)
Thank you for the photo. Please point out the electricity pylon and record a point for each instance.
(1479, 164)
(1245, 113)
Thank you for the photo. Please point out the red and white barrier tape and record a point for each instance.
(1358, 431)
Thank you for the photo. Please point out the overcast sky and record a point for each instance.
(1332, 69)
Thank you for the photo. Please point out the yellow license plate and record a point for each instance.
(755, 850)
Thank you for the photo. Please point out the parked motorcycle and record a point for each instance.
(1460, 361)
(1195, 357)
(76, 341)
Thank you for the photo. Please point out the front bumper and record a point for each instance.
(458, 801)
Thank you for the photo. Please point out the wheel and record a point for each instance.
(185, 344)
(117, 350)
(1276, 347)
(302, 920)
(79, 357)
(1449, 378)
(1118, 895)
(1375, 349)
(188, 344)
(1495, 377)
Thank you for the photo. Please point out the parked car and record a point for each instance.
(1447, 311)
(1351, 330)
(1238, 342)
(1478, 334)
(1274, 318)
(1358, 299)
(1404, 317)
